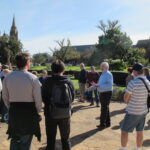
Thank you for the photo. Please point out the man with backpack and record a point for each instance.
(58, 95)
(136, 98)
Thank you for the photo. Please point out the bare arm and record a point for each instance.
(37, 95)
(5, 94)
(127, 97)
(0, 85)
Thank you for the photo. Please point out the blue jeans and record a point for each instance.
(96, 96)
(22, 143)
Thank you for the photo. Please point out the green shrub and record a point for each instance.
(118, 93)
(116, 64)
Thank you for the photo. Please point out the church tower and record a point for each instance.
(13, 30)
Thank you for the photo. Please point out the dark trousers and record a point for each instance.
(51, 131)
(4, 111)
(22, 143)
(105, 114)
(96, 96)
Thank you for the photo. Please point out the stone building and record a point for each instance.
(146, 45)
(13, 30)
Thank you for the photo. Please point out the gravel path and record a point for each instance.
(84, 135)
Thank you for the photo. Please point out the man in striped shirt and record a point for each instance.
(136, 110)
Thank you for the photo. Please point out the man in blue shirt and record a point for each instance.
(105, 88)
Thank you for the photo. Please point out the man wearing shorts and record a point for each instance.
(136, 110)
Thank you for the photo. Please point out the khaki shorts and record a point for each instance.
(82, 88)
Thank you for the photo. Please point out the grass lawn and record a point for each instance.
(39, 68)
(68, 68)
(75, 82)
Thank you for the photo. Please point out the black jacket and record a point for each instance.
(47, 89)
(83, 76)
(23, 120)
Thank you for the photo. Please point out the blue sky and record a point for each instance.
(41, 22)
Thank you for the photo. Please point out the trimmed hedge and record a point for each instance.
(119, 77)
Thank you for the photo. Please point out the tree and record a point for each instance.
(136, 55)
(86, 56)
(4, 49)
(9, 47)
(15, 47)
(65, 52)
(41, 58)
(113, 43)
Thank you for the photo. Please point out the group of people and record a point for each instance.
(3, 109)
(136, 97)
(102, 86)
(23, 93)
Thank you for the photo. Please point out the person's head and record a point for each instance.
(130, 70)
(146, 72)
(23, 61)
(5, 67)
(138, 70)
(58, 67)
(92, 69)
(44, 73)
(0, 66)
(6, 72)
(35, 73)
(104, 66)
(82, 66)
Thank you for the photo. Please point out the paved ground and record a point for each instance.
(84, 135)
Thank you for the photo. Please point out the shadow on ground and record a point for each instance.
(146, 143)
(81, 107)
(148, 126)
(76, 139)
(115, 113)
(117, 127)
(83, 136)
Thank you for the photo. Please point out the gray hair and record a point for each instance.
(105, 64)
(92, 67)
(82, 65)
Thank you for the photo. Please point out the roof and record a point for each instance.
(83, 48)
(143, 43)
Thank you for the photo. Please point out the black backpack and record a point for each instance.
(148, 98)
(61, 99)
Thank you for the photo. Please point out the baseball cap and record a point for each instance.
(138, 67)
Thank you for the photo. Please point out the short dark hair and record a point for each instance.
(22, 59)
(58, 66)
(138, 67)
(130, 69)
